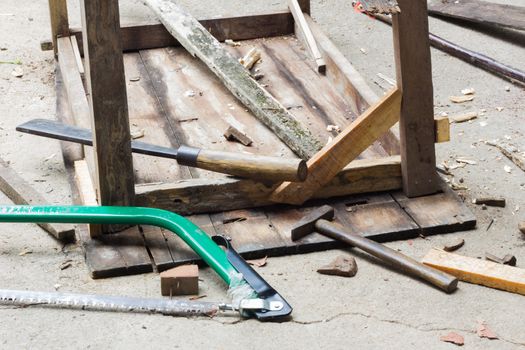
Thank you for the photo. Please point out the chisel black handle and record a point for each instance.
(244, 164)
(392, 257)
(271, 169)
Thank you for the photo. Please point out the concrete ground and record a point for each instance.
(378, 308)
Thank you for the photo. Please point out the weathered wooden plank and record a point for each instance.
(105, 73)
(148, 116)
(76, 51)
(211, 195)
(438, 213)
(414, 79)
(194, 37)
(199, 108)
(482, 12)
(22, 193)
(142, 36)
(477, 271)
(346, 147)
(157, 245)
(59, 20)
(303, 32)
(350, 84)
(251, 232)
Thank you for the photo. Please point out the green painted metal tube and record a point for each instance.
(196, 238)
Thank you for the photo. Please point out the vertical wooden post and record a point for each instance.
(59, 20)
(414, 78)
(305, 6)
(106, 89)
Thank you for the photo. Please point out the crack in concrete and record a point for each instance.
(420, 328)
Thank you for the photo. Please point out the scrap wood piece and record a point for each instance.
(356, 137)
(454, 245)
(303, 32)
(442, 129)
(486, 273)
(461, 118)
(490, 201)
(251, 58)
(386, 7)
(200, 43)
(510, 151)
(234, 134)
(482, 12)
(22, 193)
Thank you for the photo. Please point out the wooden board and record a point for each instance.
(472, 270)
(266, 232)
(482, 12)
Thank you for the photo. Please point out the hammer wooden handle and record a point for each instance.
(440, 279)
(252, 166)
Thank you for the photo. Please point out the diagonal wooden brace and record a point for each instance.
(347, 146)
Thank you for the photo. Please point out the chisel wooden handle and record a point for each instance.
(392, 257)
(244, 165)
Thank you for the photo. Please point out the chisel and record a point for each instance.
(244, 165)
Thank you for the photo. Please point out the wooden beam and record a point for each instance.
(195, 196)
(142, 36)
(347, 146)
(481, 12)
(414, 79)
(78, 58)
(108, 102)
(59, 20)
(22, 193)
(199, 42)
(477, 271)
(350, 84)
(303, 32)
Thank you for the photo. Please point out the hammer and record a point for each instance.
(318, 221)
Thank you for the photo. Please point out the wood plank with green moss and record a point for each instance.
(200, 43)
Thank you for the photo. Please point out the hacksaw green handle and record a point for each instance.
(196, 238)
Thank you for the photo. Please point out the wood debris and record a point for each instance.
(466, 161)
(468, 91)
(461, 118)
(461, 99)
(484, 332)
(251, 58)
(454, 245)
(341, 266)
(508, 259)
(453, 338)
(137, 133)
(333, 128)
(234, 134)
(510, 151)
(490, 201)
(230, 42)
(507, 169)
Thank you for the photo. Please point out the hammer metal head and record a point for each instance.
(307, 224)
